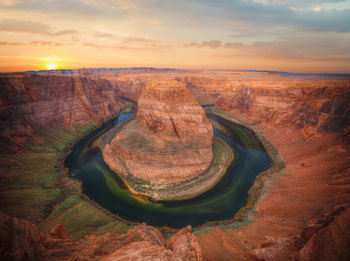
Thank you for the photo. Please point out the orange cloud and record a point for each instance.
(9, 25)
(36, 43)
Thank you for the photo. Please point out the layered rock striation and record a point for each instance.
(320, 106)
(28, 102)
(171, 140)
(169, 109)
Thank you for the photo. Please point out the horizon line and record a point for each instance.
(282, 73)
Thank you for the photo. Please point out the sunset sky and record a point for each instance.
(295, 36)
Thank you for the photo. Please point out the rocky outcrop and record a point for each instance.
(273, 249)
(59, 231)
(326, 237)
(142, 251)
(185, 244)
(30, 101)
(169, 109)
(182, 246)
(21, 240)
(170, 142)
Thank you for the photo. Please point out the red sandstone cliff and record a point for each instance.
(171, 140)
(307, 120)
(169, 109)
(30, 101)
(289, 219)
(313, 105)
(129, 86)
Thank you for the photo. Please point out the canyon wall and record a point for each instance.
(128, 82)
(313, 109)
(129, 86)
(30, 101)
(303, 210)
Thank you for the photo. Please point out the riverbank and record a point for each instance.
(220, 202)
(38, 187)
(261, 183)
(69, 206)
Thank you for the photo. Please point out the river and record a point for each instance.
(102, 185)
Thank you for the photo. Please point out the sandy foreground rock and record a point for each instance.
(140, 243)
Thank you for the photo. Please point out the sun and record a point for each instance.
(51, 66)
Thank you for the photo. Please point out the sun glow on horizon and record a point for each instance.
(51, 63)
(51, 66)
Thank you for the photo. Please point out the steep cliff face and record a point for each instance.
(130, 86)
(30, 101)
(170, 142)
(206, 89)
(312, 109)
(326, 236)
(128, 82)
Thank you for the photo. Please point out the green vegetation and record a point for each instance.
(81, 218)
(38, 187)
(66, 204)
(32, 203)
(220, 148)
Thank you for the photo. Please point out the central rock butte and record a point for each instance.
(169, 142)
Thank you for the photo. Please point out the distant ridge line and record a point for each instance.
(100, 69)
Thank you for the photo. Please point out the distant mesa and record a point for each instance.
(169, 142)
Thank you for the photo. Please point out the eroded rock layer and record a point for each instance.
(170, 142)
(313, 108)
(169, 109)
(28, 102)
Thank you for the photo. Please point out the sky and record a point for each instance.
(302, 36)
